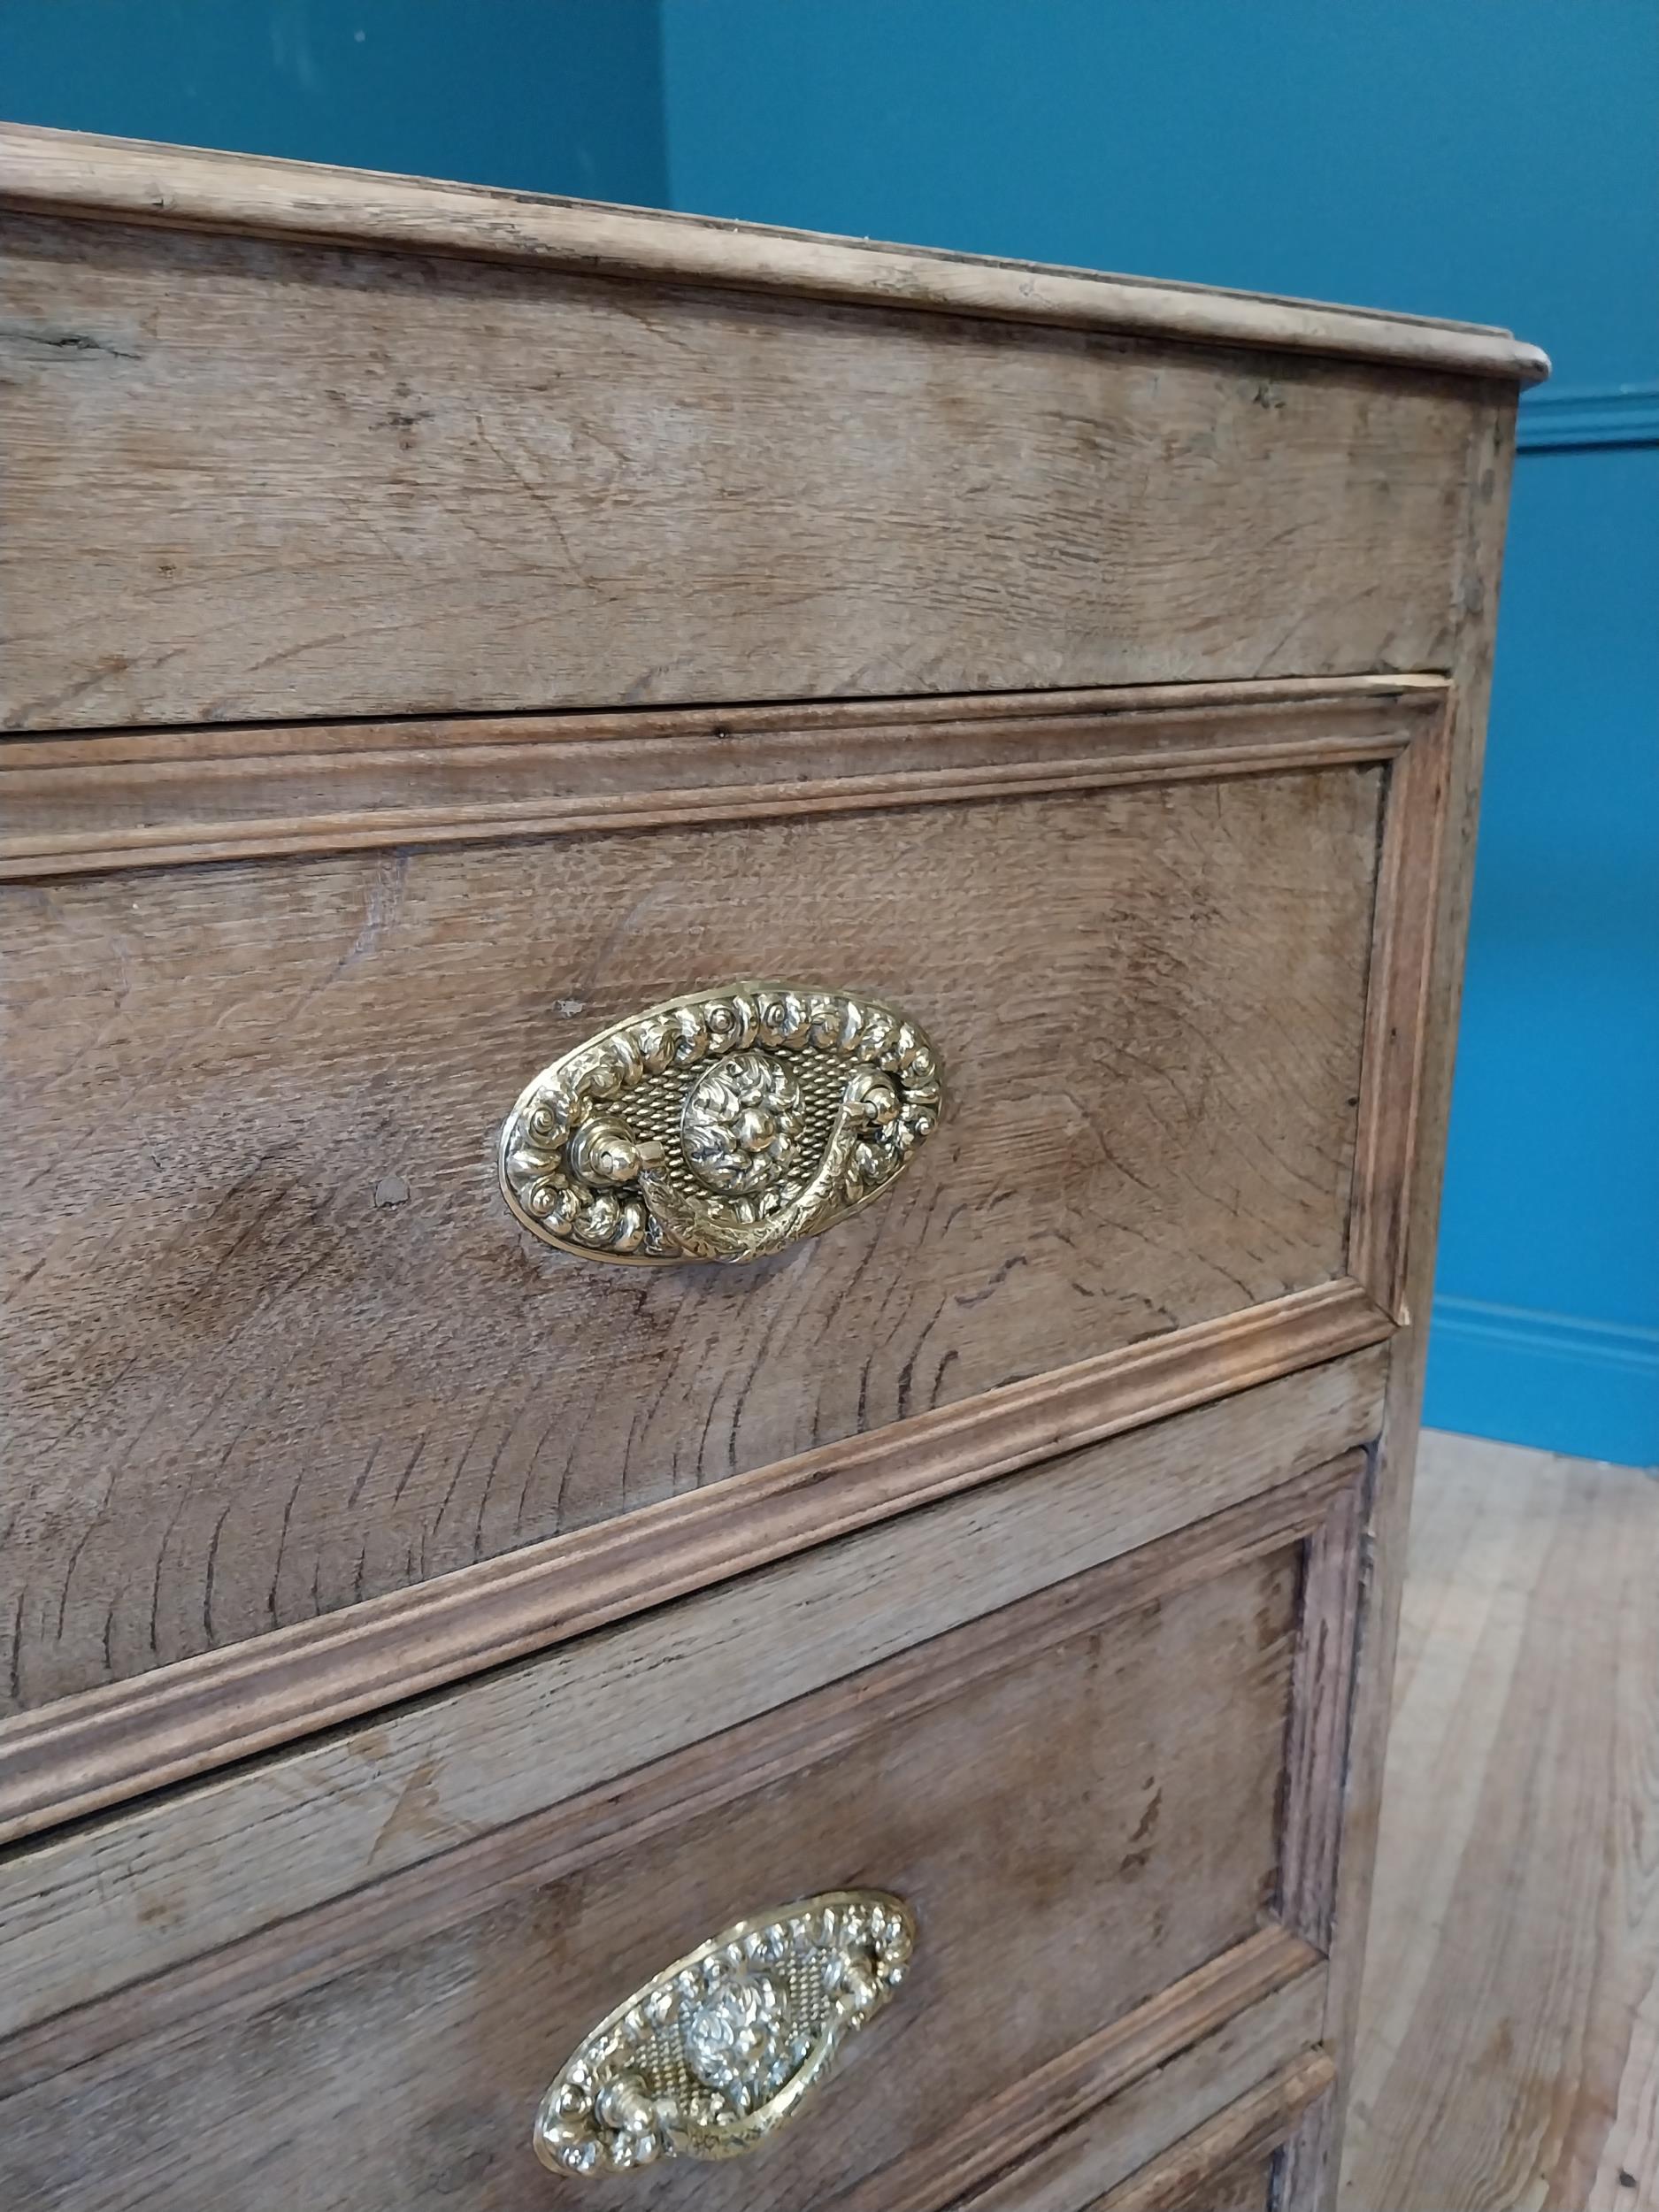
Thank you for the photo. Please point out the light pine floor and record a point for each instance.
(1510, 2032)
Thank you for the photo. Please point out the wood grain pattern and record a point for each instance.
(1508, 2042)
(70, 1758)
(173, 797)
(317, 1672)
(79, 1754)
(1398, 1014)
(1316, 1760)
(1222, 2007)
(1054, 1890)
(428, 1895)
(1244, 2188)
(256, 480)
(275, 1348)
(1444, 890)
(1120, 2144)
(1188, 2177)
(189, 187)
(93, 1909)
(1308, 2164)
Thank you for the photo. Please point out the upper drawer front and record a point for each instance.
(277, 1346)
(258, 480)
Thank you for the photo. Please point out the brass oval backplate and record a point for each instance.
(719, 2050)
(722, 1125)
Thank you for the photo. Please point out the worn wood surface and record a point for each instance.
(1444, 889)
(1077, 1826)
(1157, 2060)
(79, 1754)
(1244, 2188)
(93, 1909)
(1123, 2144)
(1508, 2044)
(1317, 1755)
(192, 187)
(165, 798)
(275, 1347)
(361, 450)
(1400, 1013)
(1307, 2164)
(260, 481)
(1224, 2163)
(70, 1757)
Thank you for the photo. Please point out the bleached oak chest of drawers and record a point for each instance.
(729, 962)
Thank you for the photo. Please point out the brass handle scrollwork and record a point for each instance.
(717, 2051)
(722, 1125)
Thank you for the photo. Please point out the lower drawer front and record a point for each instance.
(1103, 1804)
(1247, 2188)
(1264, 2148)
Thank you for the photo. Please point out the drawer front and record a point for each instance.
(278, 1348)
(1108, 1807)
(263, 479)
(1247, 2188)
(1265, 2150)
(1243, 2188)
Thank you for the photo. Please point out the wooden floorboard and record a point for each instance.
(1508, 2052)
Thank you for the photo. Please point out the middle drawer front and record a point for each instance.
(1109, 1806)
(280, 1348)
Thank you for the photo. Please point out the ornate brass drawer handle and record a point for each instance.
(722, 1125)
(719, 2050)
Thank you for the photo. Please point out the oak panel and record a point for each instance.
(106, 1907)
(1078, 1797)
(228, 791)
(1246, 2187)
(1222, 2165)
(193, 186)
(1202, 2137)
(275, 1347)
(260, 479)
(80, 1754)
(1109, 2104)
(1442, 898)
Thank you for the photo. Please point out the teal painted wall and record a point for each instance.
(1494, 160)
(548, 95)
(1491, 159)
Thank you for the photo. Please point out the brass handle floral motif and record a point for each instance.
(717, 2051)
(721, 1125)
